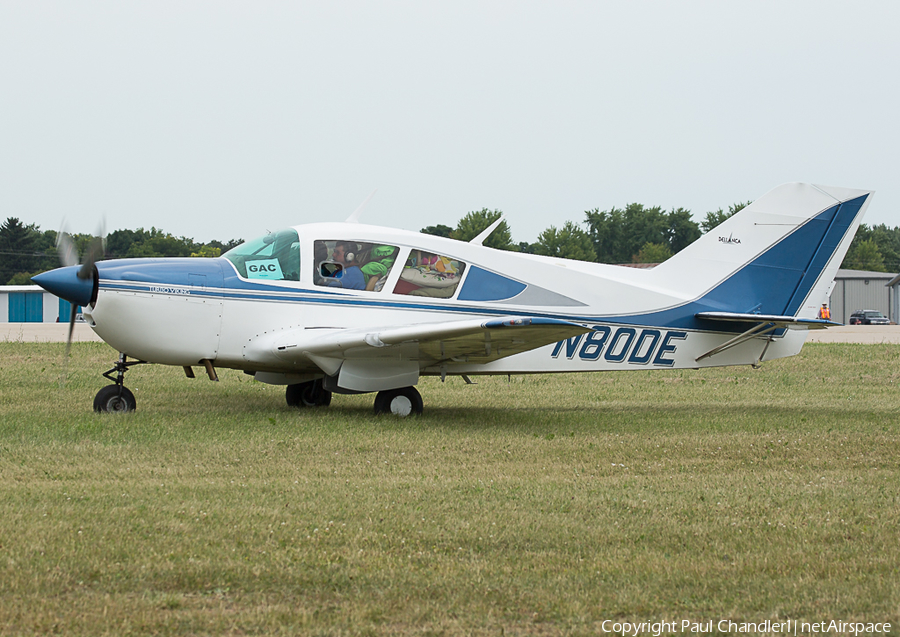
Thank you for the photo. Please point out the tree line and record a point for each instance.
(641, 234)
(26, 250)
(633, 234)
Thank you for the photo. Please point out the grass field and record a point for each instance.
(537, 506)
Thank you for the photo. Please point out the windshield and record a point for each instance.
(274, 257)
(874, 314)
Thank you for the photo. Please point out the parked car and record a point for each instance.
(868, 317)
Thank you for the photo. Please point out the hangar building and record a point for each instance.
(862, 290)
(31, 304)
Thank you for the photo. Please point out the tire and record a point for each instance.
(114, 399)
(309, 394)
(401, 402)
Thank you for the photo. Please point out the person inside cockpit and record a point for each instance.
(350, 277)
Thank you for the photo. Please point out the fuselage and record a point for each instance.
(183, 311)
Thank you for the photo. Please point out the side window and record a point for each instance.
(275, 257)
(429, 274)
(353, 265)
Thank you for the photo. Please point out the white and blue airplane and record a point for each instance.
(350, 308)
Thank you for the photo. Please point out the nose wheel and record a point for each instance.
(116, 398)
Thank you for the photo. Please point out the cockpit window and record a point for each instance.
(429, 274)
(353, 265)
(274, 257)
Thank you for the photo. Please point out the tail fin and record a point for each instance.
(777, 256)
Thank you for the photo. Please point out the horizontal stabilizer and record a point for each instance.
(764, 325)
(789, 322)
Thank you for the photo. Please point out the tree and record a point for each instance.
(652, 253)
(18, 244)
(605, 228)
(149, 243)
(568, 242)
(475, 222)
(619, 234)
(21, 278)
(26, 250)
(119, 242)
(888, 242)
(439, 230)
(865, 255)
(225, 247)
(208, 252)
(45, 245)
(713, 219)
(681, 233)
(644, 225)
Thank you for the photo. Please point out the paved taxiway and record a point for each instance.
(56, 333)
(45, 333)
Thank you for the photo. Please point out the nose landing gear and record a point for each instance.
(116, 398)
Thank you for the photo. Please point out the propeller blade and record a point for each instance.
(68, 255)
(65, 369)
(66, 249)
(93, 254)
(72, 317)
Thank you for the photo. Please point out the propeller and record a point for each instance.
(68, 256)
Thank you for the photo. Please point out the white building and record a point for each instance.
(31, 304)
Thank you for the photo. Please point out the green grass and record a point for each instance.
(542, 505)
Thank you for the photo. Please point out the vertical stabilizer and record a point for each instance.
(777, 256)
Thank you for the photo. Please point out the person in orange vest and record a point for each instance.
(824, 312)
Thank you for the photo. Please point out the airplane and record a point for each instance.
(347, 308)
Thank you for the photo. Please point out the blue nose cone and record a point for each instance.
(65, 283)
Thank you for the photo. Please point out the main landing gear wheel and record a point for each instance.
(400, 402)
(116, 399)
(309, 394)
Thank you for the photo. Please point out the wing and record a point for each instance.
(371, 359)
(471, 341)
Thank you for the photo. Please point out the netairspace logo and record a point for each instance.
(786, 627)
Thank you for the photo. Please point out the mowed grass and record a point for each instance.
(537, 505)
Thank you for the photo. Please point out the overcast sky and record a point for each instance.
(218, 120)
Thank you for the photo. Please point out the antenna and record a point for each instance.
(354, 218)
(479, 240)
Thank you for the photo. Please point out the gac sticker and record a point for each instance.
(264, 269)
